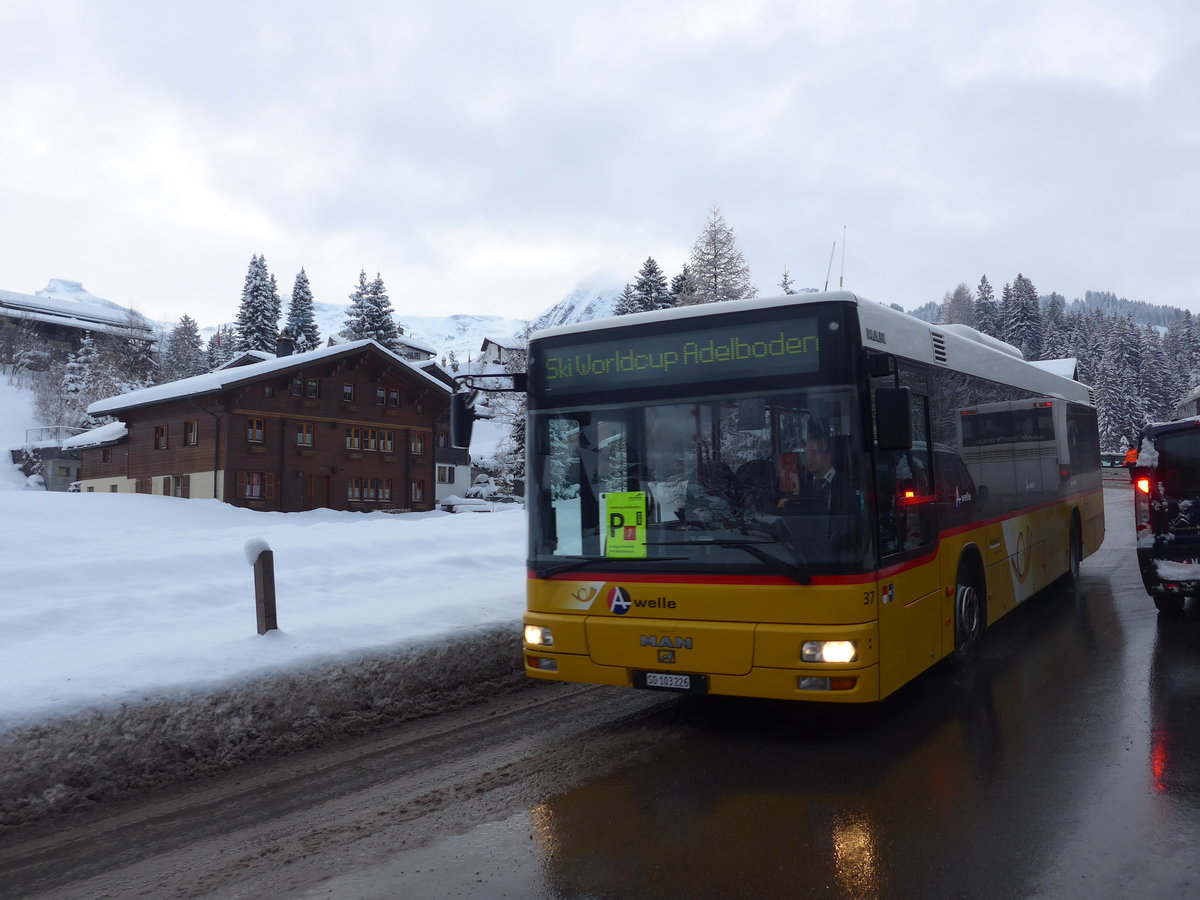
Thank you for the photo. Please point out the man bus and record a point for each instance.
(678, 540)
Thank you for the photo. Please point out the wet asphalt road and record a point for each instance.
(1066, 763)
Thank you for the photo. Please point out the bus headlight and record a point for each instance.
(539, 636)
(829, 651)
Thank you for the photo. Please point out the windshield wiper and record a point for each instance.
(579, 562)
(752, 547)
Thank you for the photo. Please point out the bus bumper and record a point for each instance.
(845, 685)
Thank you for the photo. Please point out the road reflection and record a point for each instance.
(932, 794)
(1175, 712)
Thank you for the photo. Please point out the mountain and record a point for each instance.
(592, 299)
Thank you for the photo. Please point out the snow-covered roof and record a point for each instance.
(105, 434)
(84, 316)
(246, 358)
(212, 382)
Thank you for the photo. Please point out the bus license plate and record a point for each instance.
(669, 681)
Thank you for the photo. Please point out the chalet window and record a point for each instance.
(145, 485)
(268, 391)
(112, 489)
(417, 444)
(348, 393)
(313, 388)
(183, 485)
(91, 489)
(304, 434)
(166, 491)
(370, 488)
(380, 396)
(416, 491)
(441, 438)
(445, 474)
(353, 439)
(370, 438)
(64, 470)
(256, 485)
(189, 434)
(297, 387)
(393, 398)
(254, 430)
(385, 490)
(387, 441)
(160, 437)
(106, 454)
(354, 488)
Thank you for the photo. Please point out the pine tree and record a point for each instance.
(301, 320)
(987, 314)
(1055, 340)
(220, 348)
(371, 315)
(627, 303)
(650, 287)
(1157, 379)
(786, 284)
(258, 316)
(1121, 411)
(718, 270)
(1028, 325)
(184, 355)
(682, 288)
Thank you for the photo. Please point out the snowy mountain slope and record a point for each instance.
(592, 299)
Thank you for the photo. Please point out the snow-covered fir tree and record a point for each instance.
(370, 315)
(718, 269)
(301, 319)
(1121, 407)
(219, 349)
(627, 303)
(682, 288)
(1158, 388)
(786, 284)
(987, 313)
(258, 316)
(184, 354)
(1056, 343)
(650, 287)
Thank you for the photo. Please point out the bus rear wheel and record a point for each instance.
(968, 619)
(1074, 553)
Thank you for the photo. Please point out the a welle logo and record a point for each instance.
(691, 353)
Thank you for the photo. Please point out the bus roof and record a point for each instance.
(953, 347)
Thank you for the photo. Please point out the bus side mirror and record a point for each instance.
(462, 419)
(893, 424)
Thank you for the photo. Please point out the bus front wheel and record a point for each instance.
(968, 619)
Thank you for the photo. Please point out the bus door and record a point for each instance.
(908, 586)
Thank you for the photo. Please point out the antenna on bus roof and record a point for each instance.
(829, 268)
(842, 273)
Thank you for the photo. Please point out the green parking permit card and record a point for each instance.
(623, 524)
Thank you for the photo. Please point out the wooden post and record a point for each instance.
(260, 555)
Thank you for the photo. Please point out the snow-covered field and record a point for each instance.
(109, 598)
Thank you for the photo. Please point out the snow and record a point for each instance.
(113, 431)
(1171, 570)
(110, 598)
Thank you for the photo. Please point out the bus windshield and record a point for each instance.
(769, 483)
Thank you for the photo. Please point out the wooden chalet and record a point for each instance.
(352, 426)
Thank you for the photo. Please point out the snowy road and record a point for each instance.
(1065, 764)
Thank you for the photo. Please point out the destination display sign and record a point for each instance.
(743, 350)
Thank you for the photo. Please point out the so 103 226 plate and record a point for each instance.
(671, 681)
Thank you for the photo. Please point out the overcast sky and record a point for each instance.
(487, 157)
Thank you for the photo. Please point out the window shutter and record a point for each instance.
(241, 484)
(187, 486)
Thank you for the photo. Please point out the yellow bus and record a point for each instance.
(786, 497)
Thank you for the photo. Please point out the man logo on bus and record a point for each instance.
(618, 601)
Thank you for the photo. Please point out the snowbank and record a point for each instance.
(129, 653)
